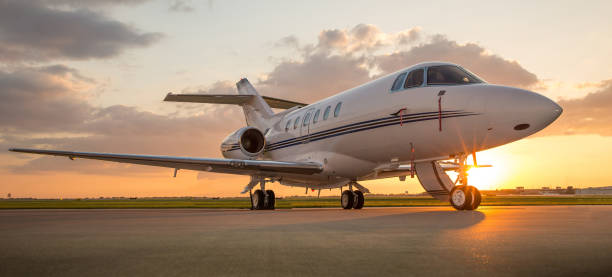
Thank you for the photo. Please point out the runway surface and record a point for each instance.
(438, 241)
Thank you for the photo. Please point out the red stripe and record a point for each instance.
(440, 113)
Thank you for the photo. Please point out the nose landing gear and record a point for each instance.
(465, 197)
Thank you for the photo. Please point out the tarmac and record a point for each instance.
(411, 241)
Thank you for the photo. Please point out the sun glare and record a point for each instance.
(487, 178)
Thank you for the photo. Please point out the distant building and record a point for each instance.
(523, 191)
(599, 190)
(8, 195)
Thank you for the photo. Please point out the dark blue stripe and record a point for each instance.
(360, 126)
(405, 118)
(365, 129)
(364, 122)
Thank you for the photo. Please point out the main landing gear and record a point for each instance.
(263, 199)
(352, 199)
(463, 196)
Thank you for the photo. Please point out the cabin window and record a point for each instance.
(315, 118)
(397, 84)
(326, 113)
(337, 109)
(296, 123)
(449, 75)
(306, 119)
(288, 125)
(414, 79)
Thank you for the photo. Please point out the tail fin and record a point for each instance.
(256, 111)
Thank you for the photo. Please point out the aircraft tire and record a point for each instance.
(347, 199)
(359, 200)
(476, 198)
(270, 200)
(460, 197)
(258, 200)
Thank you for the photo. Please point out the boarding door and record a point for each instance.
(305, 125)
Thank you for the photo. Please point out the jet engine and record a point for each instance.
(246, 144)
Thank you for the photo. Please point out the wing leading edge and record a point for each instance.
(231, 166)
(230, 99)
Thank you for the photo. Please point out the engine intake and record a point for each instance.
(246, 143)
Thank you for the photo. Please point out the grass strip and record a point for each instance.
(291, 202)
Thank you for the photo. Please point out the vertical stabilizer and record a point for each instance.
(257, 112)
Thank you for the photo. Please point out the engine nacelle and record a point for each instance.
(246, 143)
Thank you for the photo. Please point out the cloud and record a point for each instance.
(42, 99)
(474, 57)
(314, 78)
(342, 59)
(288, 41)
(409, 36)
(46, 107)
(363, 38)
(333, 39)
(31, 31)
(181, 6)
(588, 115)
(90, 3)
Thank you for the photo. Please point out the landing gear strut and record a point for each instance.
(463, 196)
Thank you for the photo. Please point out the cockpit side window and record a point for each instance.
(397, 84)
(414, 79)
(449, 75)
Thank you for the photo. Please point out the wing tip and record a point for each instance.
(21, 150)
(167, 98)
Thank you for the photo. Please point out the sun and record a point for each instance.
(487, 178)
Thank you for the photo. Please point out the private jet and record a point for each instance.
(422, 121)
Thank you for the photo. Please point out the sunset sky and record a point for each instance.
(90, 76)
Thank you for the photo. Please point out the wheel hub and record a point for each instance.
(459, 197)
(345, 200)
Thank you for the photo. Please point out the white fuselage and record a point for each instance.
(377, 127)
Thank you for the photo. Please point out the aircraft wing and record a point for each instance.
(236, 99)
(232, 166)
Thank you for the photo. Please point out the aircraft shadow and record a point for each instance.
(426, 219)
(422, 221)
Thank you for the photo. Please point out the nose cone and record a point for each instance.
(533, 112)
(556, 111)
(514, 113)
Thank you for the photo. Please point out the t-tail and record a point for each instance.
(257, 109)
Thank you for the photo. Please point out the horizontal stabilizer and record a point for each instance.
(230, 99)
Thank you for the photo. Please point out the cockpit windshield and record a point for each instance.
(450, 75)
